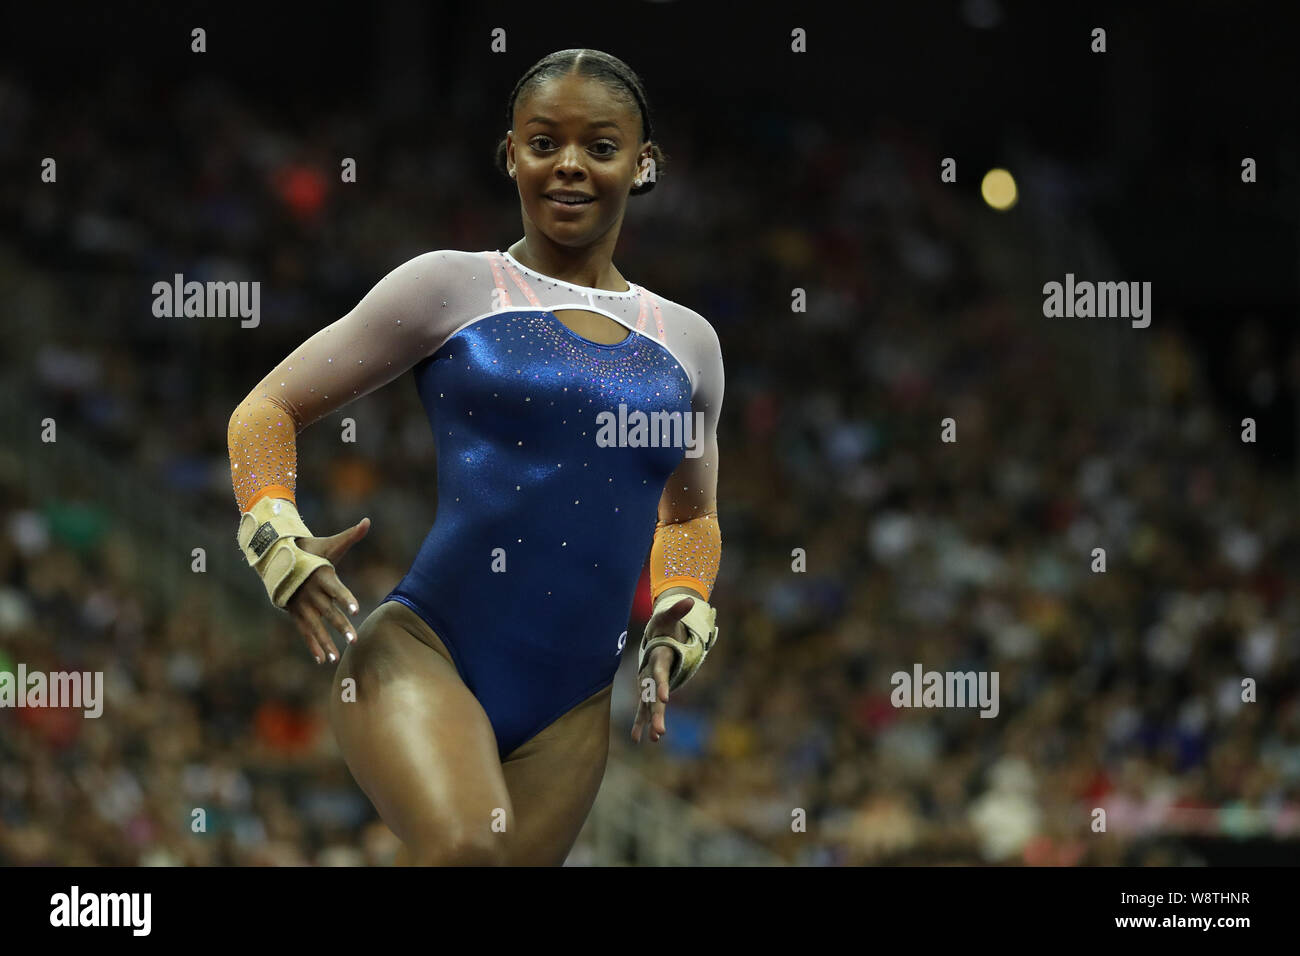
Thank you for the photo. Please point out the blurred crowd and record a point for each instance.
(1121, 689)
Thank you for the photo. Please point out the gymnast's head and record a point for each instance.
(579, 142)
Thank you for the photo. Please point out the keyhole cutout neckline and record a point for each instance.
(591, 327)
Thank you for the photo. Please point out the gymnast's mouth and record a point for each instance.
(569, 198)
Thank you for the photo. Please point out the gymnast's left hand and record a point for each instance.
(658, 667)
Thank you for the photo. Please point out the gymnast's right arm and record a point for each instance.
(395, 325)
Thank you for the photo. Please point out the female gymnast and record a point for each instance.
(473, 704)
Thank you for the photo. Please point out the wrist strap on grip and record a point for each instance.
(266, 537)
(701, 635)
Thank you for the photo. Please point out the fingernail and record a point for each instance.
(319, 661)
(352, 608)
(331, 657)
(351, 637)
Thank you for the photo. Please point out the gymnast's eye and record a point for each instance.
(543, 143)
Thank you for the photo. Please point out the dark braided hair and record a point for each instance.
(616, 74)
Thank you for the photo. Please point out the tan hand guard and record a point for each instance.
(701, 635)
(266, 536)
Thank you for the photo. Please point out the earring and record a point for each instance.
(512, 174)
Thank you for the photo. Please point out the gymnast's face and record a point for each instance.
(572, 134)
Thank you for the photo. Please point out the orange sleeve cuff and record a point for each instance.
(686, 554)
(271, 491)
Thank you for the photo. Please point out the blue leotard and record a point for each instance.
(530, 569)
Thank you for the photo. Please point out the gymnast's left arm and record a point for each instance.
(685, 556)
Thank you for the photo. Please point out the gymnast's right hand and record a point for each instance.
(319, 599)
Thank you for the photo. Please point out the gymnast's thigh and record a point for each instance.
(553, 778)
(417, 741)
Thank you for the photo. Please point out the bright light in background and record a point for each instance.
(999, 189)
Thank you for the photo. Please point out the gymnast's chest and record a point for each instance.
(529, 369)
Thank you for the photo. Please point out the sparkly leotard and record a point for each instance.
(529, 571)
